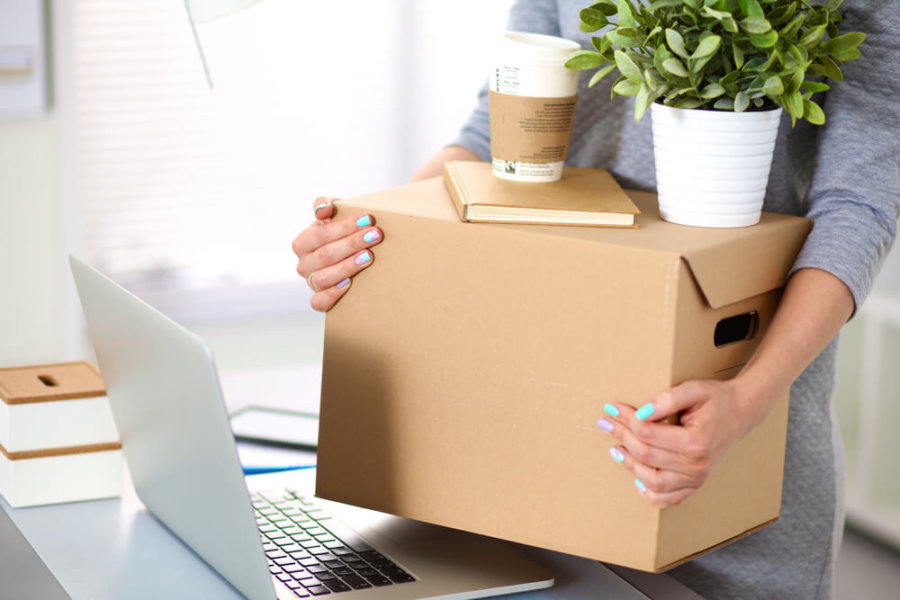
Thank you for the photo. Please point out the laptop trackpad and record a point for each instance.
(371, 525)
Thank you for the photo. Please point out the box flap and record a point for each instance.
(753, 261)
(44, 383)
(728, 264)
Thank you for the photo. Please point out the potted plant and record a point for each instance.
(716, 76)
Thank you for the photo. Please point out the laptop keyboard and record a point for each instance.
(314, 554)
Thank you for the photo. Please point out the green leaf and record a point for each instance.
(795, 82)
(814, 86)
(713, 90)
(662, 53)
(686, 103)
(675, 67)
(828, 68)
(584, 59)
(602, 44)
(812, 37)
(676, 43)
(754, 25)
(627, 67)
(607, 7)
(738, 56)
(796, 57)
(751, 8)
(792, 27)
(730, 25)
(657, 4)
(653, 32)
(627, 87)
(756, 64)
(697, 65)
(784, 14)
(708, 47)
(793, 102)
(729, 78)
(843, 43)
(601, 74)
(654, 80)
(724, 104)
(681, 91)
(813, 113)
(773, 86)
(718, 15)
(642, 102)
(622, 41)
(847, 55)
(626, 17)
(765, 40)
(741, 102)
(592, 20)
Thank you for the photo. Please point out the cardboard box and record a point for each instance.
(58, 440)
(464, 375)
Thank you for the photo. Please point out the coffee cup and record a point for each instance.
(532, 99)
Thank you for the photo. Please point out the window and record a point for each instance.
(191, 197)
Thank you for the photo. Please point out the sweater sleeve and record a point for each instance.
(854, 194)
(535, 16)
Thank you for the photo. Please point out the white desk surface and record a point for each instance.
(114, 549)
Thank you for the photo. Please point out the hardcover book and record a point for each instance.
(587, 197)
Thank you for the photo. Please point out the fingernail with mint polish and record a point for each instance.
(644, 411)
(605, 425)
(610, 410)
(364, 221)
(320, 207)
(640, 486)
(343, 283)
(371, 236)
(617, 454)
(363, 258)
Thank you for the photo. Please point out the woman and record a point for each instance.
(846, 177)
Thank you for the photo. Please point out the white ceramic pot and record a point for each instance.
(712, 166)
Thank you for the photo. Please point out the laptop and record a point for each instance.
(267, 535)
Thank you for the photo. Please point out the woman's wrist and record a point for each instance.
(755, 393)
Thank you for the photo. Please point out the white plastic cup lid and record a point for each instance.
(536, 49)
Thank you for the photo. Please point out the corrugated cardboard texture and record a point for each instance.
(45, 383)
(464, 376)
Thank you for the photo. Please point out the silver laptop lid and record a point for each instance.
(165, 396)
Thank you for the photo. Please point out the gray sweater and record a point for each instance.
(844, 175)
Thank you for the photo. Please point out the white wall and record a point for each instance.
(36, 309)
(32, 327)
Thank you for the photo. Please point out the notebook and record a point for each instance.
(266, 535)
(585, 197)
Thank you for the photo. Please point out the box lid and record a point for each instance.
(44, 383)
(755, 260)
(728, 264)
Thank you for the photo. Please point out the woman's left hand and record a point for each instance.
(670, 461)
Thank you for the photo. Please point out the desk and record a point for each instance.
(115, 550)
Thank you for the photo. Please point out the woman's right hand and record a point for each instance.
(330, 252)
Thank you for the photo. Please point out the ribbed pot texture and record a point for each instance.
(712, 167)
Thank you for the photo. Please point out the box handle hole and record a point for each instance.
(736, 329)
(48, 380)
